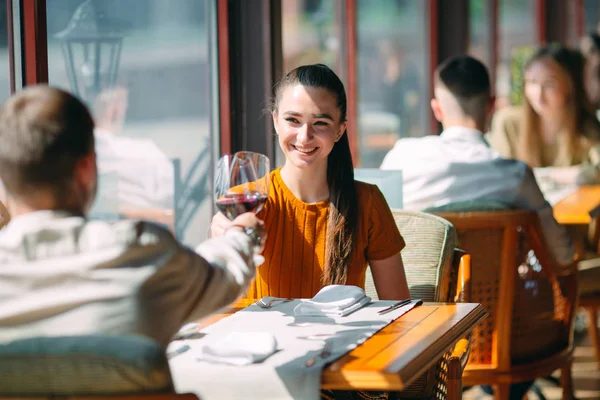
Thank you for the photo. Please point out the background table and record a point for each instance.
(579, 207)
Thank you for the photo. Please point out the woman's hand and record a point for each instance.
(220, 223)
(253, 227)
(245, 220)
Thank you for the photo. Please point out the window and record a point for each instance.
(480, 40)
(311, 33)
(591, 12)
(144, 69)
(574, 22)
(4, 57)
(517, 31)
(4, 72)
(393, 75)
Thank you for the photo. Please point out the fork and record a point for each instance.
(325, 352)
(261, 303)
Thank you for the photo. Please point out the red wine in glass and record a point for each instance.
(241, 183)
(234, 204)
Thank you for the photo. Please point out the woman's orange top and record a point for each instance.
(297, 233)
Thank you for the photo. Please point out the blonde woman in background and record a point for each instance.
(556, 126)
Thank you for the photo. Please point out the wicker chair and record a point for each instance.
(589, 274)
(530, 330)
(436, 271)
(92, 367)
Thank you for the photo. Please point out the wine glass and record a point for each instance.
(241, 183)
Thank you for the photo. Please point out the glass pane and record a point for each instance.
(480, 41)
(143, 67)
(573, 35)
(4, 58)
(4, 72)
(393, 75)
(311, 33)
(591, 13)
(517, 28)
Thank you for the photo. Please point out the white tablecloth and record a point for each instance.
(555, 195)
(284, 374)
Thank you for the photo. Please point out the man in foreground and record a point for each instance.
(61, 274)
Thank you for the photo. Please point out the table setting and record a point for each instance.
(276, 348)
(556, 183)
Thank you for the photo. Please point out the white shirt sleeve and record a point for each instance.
(193, 284)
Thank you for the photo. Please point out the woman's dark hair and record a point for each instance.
(343, 202)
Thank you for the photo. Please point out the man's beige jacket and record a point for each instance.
(64, 275)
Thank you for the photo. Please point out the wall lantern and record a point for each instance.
(91, 45)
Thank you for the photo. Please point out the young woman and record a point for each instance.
(556, 126)
(323, 227)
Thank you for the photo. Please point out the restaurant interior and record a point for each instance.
(174, 85)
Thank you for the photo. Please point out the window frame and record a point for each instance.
(28, 55)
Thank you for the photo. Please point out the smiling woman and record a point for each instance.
(323, 227)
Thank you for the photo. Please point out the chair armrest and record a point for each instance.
(455, 366)
(461, 351)
(463, 282)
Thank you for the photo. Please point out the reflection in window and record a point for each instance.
(143, 67)
(591, 12)
(573, 34)
(517, 29)
(480, 41)
(4, 71)
(310, 33)
(4, 59)
(393, 76)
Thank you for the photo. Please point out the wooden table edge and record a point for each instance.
(563, 209)
(391, 380)
(571, 219)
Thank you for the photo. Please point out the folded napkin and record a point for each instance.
(239, 348)
(333, 301)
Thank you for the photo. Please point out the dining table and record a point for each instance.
(399, 353)
(579, 212)
(580, 207)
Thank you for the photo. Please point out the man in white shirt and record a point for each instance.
(61, 274)
(459, 166)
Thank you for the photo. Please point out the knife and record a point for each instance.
(399, 304)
